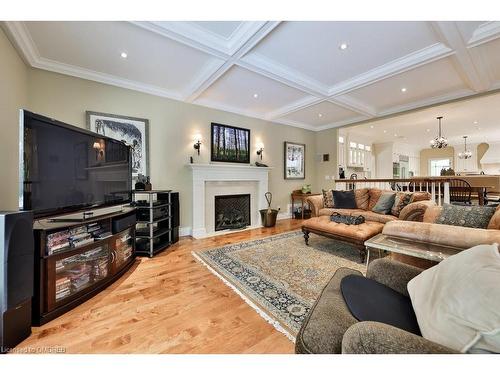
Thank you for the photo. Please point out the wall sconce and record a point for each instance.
(260, 150)
(197, 143)
(98, 146)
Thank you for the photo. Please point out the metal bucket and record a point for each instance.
(268, 217)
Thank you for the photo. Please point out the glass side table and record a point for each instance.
(423, 250)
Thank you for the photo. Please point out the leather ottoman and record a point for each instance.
(353, 234)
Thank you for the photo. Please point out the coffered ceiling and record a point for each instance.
(314, 75)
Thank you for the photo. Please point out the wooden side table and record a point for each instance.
(299, 195)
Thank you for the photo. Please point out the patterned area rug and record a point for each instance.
(279, 276)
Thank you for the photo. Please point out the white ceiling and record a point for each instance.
(298, 71)
(477, 118)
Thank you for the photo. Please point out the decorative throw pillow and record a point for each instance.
(384, 203)
(362, 198)
(344, 199)
(327, 199)
(401, 201)
(466, 216)
(457, 301)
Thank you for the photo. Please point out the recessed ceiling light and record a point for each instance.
(428, 130)
(385, 131)
(255, 96)
(475, 122)
(395, 135)
(320, 115)
(343, 46)
(371, 126)
(124, 55)
(403, 89)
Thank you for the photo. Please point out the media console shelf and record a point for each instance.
(157, 220)
(76, 260)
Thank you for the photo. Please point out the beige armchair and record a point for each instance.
(330, 327)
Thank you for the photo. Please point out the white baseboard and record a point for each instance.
(185, 231)
(284, 215)
(188, 231)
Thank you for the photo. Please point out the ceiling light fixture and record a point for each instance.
(475, 122)
(403, 89)
(466, 154)
(385, 131)
(439, 141)
(255, 96)
(320, 115)
(343, 46)
(124, 55)
(371, 126)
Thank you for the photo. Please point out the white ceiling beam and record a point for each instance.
(413, 60)
(211, 75)
(486, 32)
(354, 105)
(171, 33)
(449, 33)
(293, 107)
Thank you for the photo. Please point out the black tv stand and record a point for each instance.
(86, 215)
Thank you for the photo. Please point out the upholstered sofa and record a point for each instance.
(449, 235)
(330, 327)
(366, 199)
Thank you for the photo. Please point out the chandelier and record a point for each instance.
(439, 141)
(467, 154)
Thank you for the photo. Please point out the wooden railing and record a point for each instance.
(437, 187)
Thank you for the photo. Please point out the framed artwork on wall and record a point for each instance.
(229, 143)
(294, 157)
(133, 131)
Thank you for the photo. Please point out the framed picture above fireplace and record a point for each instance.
(229, 144)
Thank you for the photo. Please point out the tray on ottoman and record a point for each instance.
(355, 235)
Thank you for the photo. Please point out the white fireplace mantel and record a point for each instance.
(201, 173)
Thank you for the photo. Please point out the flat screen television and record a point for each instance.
(64, 168)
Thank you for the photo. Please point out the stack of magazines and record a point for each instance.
(79, 276)
(98, 232)
(63, 285)
(79, 236)
(57, 242)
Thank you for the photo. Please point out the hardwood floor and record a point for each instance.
(168, 304)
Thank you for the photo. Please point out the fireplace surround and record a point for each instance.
(210, 180)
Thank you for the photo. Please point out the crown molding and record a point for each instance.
(411, 61)
(465, 63)
(486, 32)
(19, 35)
(66, 69)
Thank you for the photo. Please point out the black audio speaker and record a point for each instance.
(175, 216)
(17, 256)
(123, 222)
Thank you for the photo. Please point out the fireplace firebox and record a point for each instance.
(232, 211)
